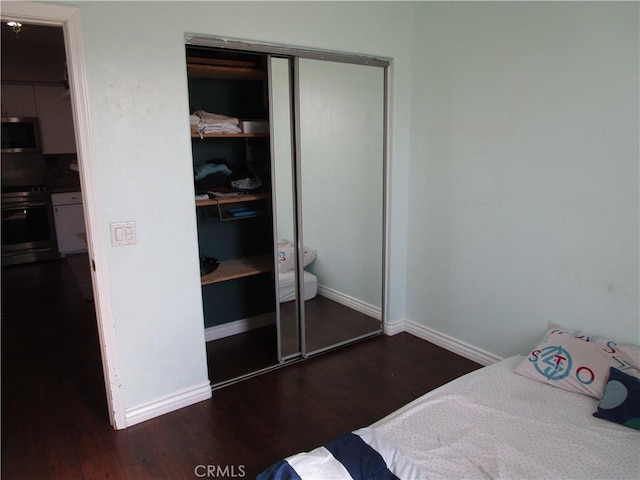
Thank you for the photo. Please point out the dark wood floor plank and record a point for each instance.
(99, 467)
(54, 415)
(327, 323)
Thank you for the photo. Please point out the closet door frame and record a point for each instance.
(295, 210)
(294, 54)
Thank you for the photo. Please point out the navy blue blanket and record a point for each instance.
(359, 455)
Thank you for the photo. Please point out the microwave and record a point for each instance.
(20, 135)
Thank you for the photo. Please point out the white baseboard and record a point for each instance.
(392, 328)
(169, 403)
(238, 326)
(443, 340)
(245, 324)
(351, 302)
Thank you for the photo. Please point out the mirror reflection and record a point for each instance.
(342, 174)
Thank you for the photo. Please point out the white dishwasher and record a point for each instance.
(68, 216)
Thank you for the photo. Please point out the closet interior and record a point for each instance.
(288, 161)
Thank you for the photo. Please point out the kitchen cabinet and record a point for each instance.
(51, 104)
(56, 119)
(18, 101)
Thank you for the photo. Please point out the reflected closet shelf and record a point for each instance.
(238, 268)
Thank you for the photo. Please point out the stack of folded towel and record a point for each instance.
(205, 122)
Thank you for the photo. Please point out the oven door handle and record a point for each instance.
(20, 215)
(42, 250)
(23, 205)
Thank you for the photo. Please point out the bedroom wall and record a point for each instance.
(139, 112)
(524, 171)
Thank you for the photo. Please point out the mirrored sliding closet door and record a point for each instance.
(288, 153)
(340, 193)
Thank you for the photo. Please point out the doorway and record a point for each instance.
(48, 315)
(68, 18)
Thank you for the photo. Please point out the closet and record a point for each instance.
(289, 173)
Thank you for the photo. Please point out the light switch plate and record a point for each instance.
(123, 233)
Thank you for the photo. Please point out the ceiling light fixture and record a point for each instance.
(16, 27)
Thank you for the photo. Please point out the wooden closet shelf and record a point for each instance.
(228, 135)
(234, 199)
(220, 62)
(223, 71)
(238, 268)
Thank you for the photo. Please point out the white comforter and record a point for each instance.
(491, 423)
(494, 423)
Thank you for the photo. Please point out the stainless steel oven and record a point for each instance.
(28, 229)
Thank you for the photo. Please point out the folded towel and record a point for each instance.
(213, 118)
(218, 128)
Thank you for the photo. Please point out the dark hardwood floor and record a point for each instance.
(241, 354)
(327, 322)
(54, 413)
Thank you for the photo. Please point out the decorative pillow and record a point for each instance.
(286, 256)
(628, 349)
(621, 400)
(576, 364)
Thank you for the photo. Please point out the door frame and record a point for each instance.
(69, 19)
(295, 54)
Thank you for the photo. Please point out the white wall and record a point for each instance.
(524, 173)
(138, 102)
(523, 120)
(341, 168)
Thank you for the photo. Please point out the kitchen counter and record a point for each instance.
(59, 174)
(65, 188)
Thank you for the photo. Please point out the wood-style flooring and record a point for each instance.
(327, 323)
(54, 413)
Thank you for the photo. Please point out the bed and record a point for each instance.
(287, 286)
(286, 272)
(499, 422)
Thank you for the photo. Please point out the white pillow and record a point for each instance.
(628, 349)
(286, 256)
(578, 363)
